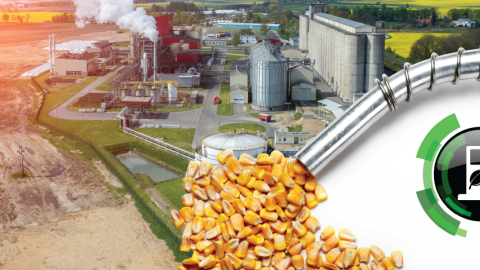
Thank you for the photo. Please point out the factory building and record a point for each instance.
(193, 43)
(348, 55)
(301, 83)
(215, 41)
(164, 25)
(293, 41)
(268, 77)
(240, 141)
(273, 40)
(248, 39)
(248, 25)
(81, 64)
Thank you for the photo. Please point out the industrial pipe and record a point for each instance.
(132, 48)
(145, 67)
(53, 52)
(155, 61)
(50, 53)
(385, 96)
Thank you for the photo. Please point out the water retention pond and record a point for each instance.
(139, 164)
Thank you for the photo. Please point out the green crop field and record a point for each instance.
(242, 125)
(442, 5)
(402, 42)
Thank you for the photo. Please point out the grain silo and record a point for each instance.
(268, 77)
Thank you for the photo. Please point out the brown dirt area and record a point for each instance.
(21, 46)
(98, 238)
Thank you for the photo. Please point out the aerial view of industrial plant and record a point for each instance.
(147, 134)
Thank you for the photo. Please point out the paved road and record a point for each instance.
(63, 113)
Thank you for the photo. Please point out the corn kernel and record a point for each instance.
(251, 182)
(251, 255)
(188, 200)
(261, 186)
(377, 253)
(283, 264)
(339, 260)
(187, 214)
(277, 170)
(231, 246)
(343, 245)
(244, 177)
(349, 257)
(347, 235)
(246, 231)
(265, 160)
(249, 264)
(300, 169)
(278, 256)
(252, 218)
(300, 179)
(226, 264)
(364, 267)
(219, 176)
(286, 180)
(258, 172)
(310, 183)
(295, 249)
(236, 262)
(234, 165)
(266, 231)
(181, 267)
(376, 265)
(187, 231)
(219, 249)
(327, 233)
(329, 265)
(266, 262)
(247, 160)
(397, 258)
(268, 244)
(303, 215)
(281, 198)
(270, 216)
(252, 204)
(256, 229)
(231, 231)
(298, 229)
(312, 224)
(185, 244)
(289, 235)
(330, 244)
(364, 255)
(312, 257)
(210, 212)
(279, 226)
(307, 239)
(270, 179)
(316, 244)
(211, 192)
(255, 240)
(192, 169)
(202, 245)
(297, 262)
(296, 198)
(244, 190)
(217, 206)
(177, 219)
(230, 175)
(223, 156)
(191, 262)
(187, 183)
(320, 193)
(199, 193)
(277, 156)
(388, 263)
(310, 200)
(197, 237)
(262, 252)
(289, 167)
(199, 209)
(216, 231)
(208, 262)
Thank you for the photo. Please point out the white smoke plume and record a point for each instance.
(122, 12)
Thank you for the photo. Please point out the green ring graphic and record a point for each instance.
(427, 151)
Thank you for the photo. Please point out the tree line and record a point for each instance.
(64, 18)
(424, 47)
(16, 18)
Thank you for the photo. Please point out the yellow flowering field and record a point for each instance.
(402, 42)
(443, 5)
(34, 16)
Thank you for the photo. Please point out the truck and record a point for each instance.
(265, 117)
(211, 35)
(216, 100)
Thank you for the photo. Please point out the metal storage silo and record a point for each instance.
(268, 77)
(155, 94)
(374, 59)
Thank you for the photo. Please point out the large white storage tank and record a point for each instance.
(172, 92)
(212, 145)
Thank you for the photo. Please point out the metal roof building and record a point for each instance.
(348, 55)
(248, 25)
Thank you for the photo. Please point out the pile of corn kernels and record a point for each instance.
(259, 217)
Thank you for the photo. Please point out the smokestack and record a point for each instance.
(154, 61)
(145, 66)
(132, 47)
(53, 52)
(50, 53)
